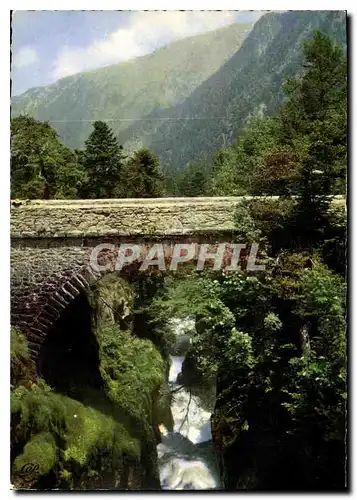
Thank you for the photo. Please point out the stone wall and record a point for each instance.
(84, 218)
(51, 243)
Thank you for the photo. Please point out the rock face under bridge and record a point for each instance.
(51, 242)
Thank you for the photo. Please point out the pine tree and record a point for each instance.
(314, 118)
(321, 86)
(143, 177)
(193, 180)
(103, 160)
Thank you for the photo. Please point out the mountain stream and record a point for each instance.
(186, 456)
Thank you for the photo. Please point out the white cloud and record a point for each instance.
(25, 57)
(145, 32)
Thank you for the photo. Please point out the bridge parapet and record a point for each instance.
(125, 217)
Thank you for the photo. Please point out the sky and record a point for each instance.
(49, 45)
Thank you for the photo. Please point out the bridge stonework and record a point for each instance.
(51, 242)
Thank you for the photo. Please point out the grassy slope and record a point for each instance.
(132, 89)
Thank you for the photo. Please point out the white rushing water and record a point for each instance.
(186, 458)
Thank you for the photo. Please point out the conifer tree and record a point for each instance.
(314, 122)
(314, 119)
(102, 160)
(143, 177)
(193, 180)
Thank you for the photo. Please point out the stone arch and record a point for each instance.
(68, 357)
(37, 304)
(46, 275)
(35, 310)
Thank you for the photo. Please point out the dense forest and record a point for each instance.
(42, 167)
(273, 343)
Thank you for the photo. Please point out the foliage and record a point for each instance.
(142, 176)
(276, 343)
(317, 380)
(325, 300)
(245, 224)
(235, 167)
(279, 174)
(315, 120)
(41, 166)
(192, 181)
(102, 160)
(334, 247)
(18, 347)
(21, 365)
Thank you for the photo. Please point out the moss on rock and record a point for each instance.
(22, 369)
(40, 451)
(84, 437)
(105, 438)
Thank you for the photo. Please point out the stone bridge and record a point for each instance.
(51, 242)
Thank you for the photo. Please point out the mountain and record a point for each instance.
(124, 93)
(189, 98)
(250, 83)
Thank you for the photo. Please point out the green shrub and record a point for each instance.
(21, 364)
(132, 369)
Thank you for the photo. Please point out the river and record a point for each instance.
(186, 456)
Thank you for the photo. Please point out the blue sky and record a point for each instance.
(48, 45)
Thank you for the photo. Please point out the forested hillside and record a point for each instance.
(250, 83)
(129, 91)
(189, 98)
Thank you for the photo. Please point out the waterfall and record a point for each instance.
(186, 457)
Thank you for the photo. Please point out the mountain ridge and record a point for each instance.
(185, 108)
(250, 83)
(134, 88)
